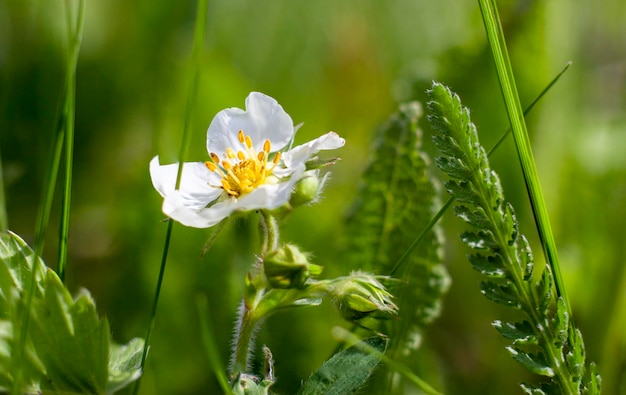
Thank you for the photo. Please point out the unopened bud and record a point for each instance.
(288, 267)
(361, 294)
(307, 189)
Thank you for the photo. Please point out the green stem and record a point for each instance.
(200, 28)
(246, 325)
(210, 346)
(269, 232)
(4, 223)
(74, 41)
(65, 126)
(497, 43)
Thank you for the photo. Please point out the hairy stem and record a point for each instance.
(246, 326)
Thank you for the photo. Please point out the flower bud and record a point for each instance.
(288, 267)
(308, 189)
(361, 294)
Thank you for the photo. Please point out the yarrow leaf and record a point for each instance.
(396, 201)
(546, 343)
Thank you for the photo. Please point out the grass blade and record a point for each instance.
(199, 33)
(75, 34)
(493, 27)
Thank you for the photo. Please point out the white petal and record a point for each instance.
(302, 153)
(197, 186)
(175, 207)
(263, 119)
(270, 196)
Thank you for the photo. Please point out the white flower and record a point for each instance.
(248, 169)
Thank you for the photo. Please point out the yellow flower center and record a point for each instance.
(243, 170)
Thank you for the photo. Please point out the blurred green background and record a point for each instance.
(334, 65)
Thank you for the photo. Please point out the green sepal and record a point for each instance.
(345, 372)
(520, 333)
(288, 267)
(536, 363)
(503, 293)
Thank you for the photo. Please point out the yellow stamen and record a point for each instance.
(243, 170)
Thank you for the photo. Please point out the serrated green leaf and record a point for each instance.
(560, 323)
(543, 290)
(576, 354)
(70, 340)
(395, 203)
(124, 364)
(536, 363)
(67, 345)
(591, 381)
(476, 217)
(345, 372)
(520, 333)
(489, 265)
(501, 293)
(530, 389)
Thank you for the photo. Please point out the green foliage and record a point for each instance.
(68, 347)
(396, 201)
(345, 372)
(547, 343)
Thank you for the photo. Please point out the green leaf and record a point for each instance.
(520, 333)
(70, 340)
(560, 323)
(68, 347)
(501, 293)
(576, 354)
(489, 265)
(124, 364)
(345, 372)
(386, 226)
(529, 389)
(536, 363)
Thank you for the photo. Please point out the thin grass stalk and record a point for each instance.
(4, 223)
(199, 33)
(448, 203)
(74, 41)
(215, 363)
(495, 36)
